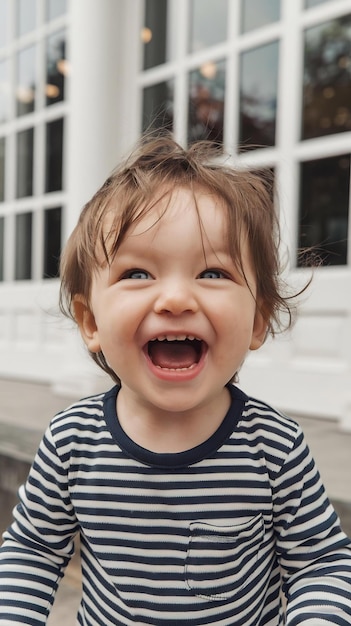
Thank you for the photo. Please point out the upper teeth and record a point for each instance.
(174, 337)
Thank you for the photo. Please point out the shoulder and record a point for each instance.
(259, 414)
(264, 427)
(83, 420)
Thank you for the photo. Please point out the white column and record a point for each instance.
(95, 94)
(101, 125)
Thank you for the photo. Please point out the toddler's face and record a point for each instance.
(172, 314)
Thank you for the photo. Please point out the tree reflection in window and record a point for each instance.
(23, 246)
(206, 102)
(324, 208)
(52, 242)
(327, 79)
(158, 106)
(56, 67)
(258, 96)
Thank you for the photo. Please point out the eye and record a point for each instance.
(136, 274)
(211, 273)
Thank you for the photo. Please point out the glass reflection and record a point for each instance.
(2, 252)
(3, 22)
(26, 82)
(52, 242)
(26, 16)
(55, 8)
(54, 155)
(327, 79)
(324, 207)
(206, 102)
(257, 13)
(56, 67)
(158, 106)
(208, 23)
(258, 96)
(4, 91)
(24, 172)
(2, 168)
(23, 246)
(154, 33)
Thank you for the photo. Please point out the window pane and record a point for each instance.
(158, 106)
(4, 91)
(327, 79)
(54, 155)
(25, 145)
(26, 83)
(257, 13)
(154, 33)
(2, 168)
(2, 239)
(23, 249)
(55, 67)
(208, 23)
(324, 202)
(3, 22)
(206, 102)
(258, 96)
(52, 242)
(26, 16)
(55, 8)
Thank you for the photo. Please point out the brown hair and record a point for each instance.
(156, 167)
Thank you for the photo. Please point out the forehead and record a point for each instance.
(198, 209)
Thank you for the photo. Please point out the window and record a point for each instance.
(258, 96)
(55, 67)
(55, 8)
(154, 33)
(54, 146)
(158, 106)
(2, 238)
(4, 91)
(258, 13)
(26, 81)
(327, 79)
(25, 146)
(324, 206)
(23, 246)
(2, 168)
(26, 16)
(52, 242)
(33, 107)
(3, 22)
(206, 102)
(208, 23)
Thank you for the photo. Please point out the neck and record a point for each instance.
(167, 431)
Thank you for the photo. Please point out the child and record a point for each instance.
(195, 503)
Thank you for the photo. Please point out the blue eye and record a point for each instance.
(212, 274)
(136, 274)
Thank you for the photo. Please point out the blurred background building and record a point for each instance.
(269, 79)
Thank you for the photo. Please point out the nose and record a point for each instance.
(176, 297)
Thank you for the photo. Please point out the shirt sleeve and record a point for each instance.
(314, 552)
(39, 544)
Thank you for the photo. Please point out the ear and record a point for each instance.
(259, 331)
(86, 323)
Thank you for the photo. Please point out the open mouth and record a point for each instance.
(175, 353)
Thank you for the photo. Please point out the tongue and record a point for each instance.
(172, 354)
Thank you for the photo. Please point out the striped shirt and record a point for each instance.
(206, 536)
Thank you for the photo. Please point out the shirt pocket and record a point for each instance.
(221, 560)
